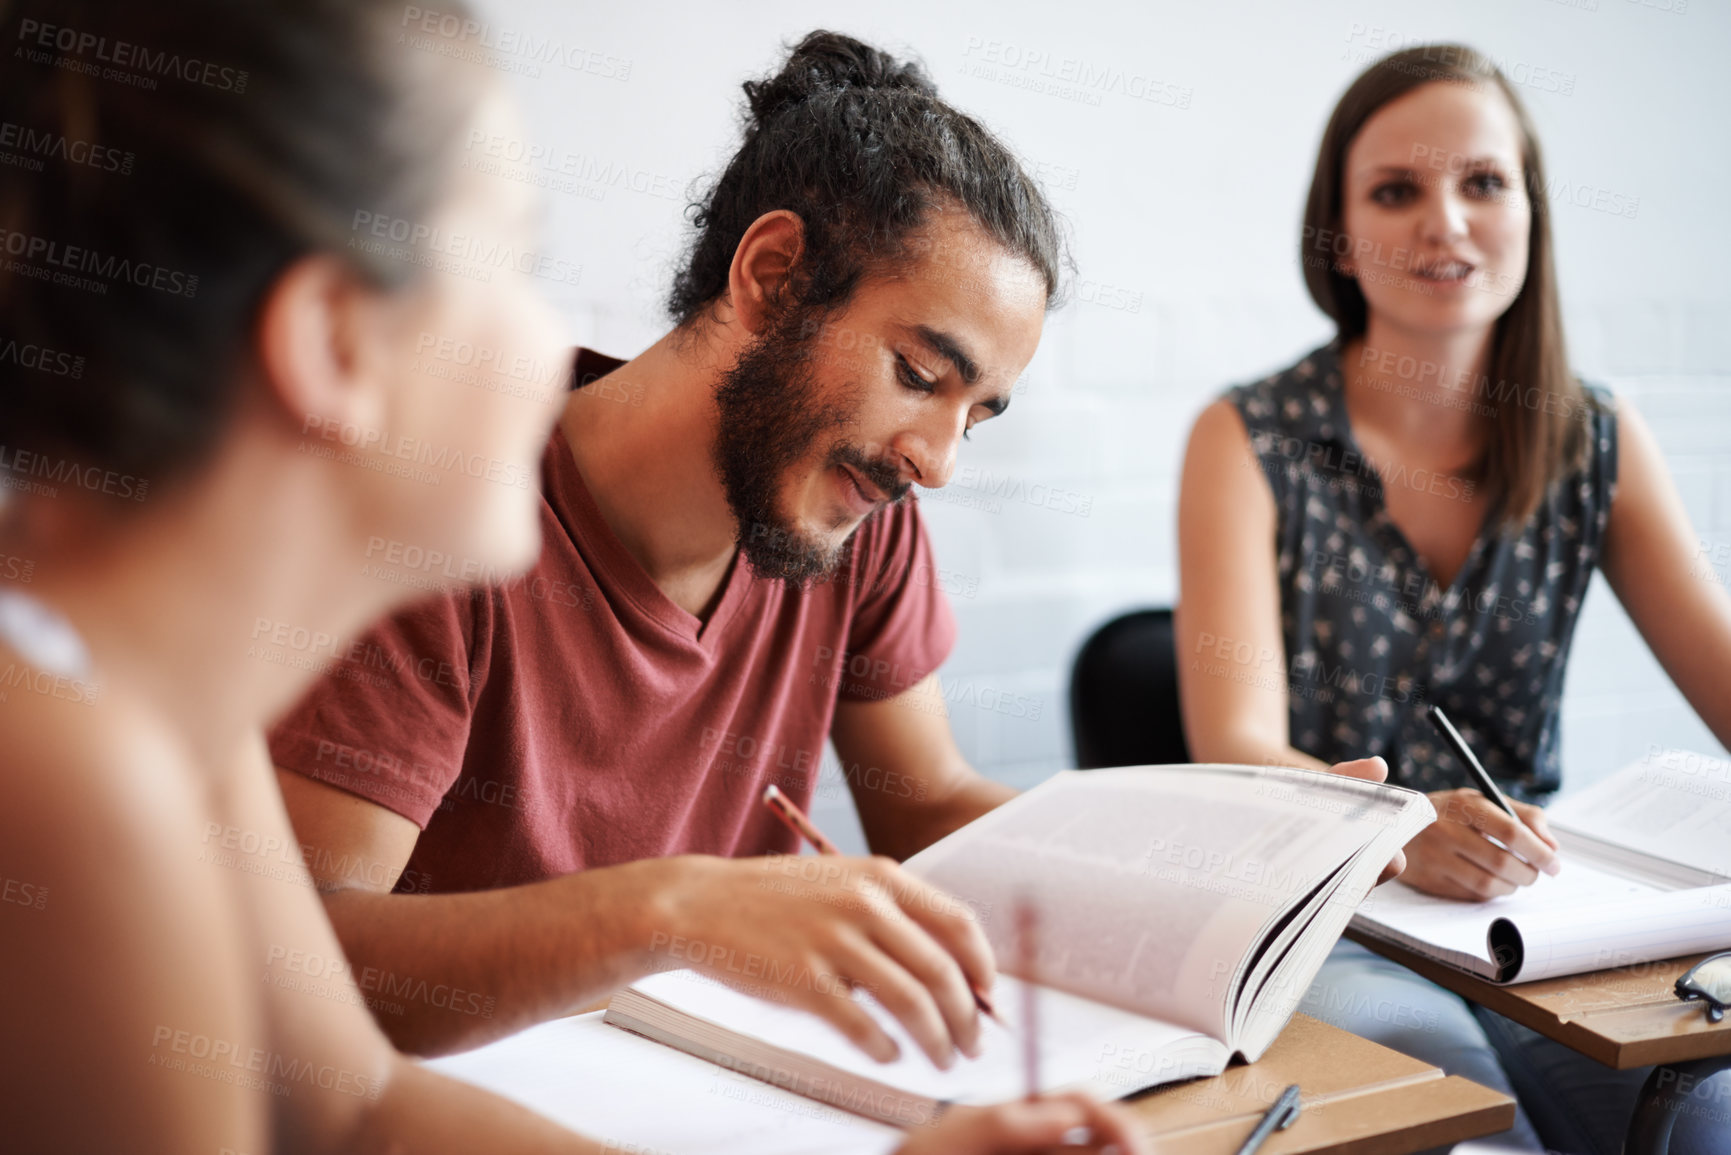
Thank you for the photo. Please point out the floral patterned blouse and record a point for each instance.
(1372, 638)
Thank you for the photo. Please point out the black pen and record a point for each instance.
(1282, 1115)
(1481, 778)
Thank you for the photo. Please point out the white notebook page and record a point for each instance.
(648, 1099)
(1583, 919)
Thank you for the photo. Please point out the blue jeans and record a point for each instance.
(1577, 1104)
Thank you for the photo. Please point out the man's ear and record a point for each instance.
(761, 277)
(312, 345)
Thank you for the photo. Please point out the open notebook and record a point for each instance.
(1646, 859)
(1183, 911)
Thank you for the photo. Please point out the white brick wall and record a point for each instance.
(1184, 212)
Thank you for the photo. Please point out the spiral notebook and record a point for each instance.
(1646, 874)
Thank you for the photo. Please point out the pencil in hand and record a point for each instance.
(783, 808)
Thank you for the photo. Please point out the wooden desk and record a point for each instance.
(1360, 1098)
(1624, 1018)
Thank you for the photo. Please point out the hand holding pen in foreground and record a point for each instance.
(795, 819)
(1031, 1127)
(808, 932)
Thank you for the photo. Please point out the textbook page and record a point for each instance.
(1081, 1042)
(1154, 884)
(1672, 805)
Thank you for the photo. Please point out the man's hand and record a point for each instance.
(1374, 770)
(1028, 1128)
(1454, 857)
(806, 931)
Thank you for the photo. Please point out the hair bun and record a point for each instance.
(830, 62)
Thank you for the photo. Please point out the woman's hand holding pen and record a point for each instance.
(1454, 857)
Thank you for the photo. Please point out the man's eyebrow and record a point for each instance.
(949, 348)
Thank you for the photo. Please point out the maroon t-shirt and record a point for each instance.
(576, 717)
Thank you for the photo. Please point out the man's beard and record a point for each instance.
(772, 413)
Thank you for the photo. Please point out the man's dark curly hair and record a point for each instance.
(860, 147)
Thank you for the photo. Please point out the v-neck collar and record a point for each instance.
(1378, 519)
(575, 508)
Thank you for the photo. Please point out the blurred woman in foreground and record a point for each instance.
(229, 232)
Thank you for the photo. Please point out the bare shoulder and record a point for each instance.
(1640, 462)
(1218, 435)
(1222, 474)
(129, 967)
(95, 761)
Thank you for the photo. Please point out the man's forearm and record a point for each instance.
(444, 973)
(913, 828)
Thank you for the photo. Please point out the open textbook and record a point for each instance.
(1646, 874)
(1182, 912)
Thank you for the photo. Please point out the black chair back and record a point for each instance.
(1124, 694)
